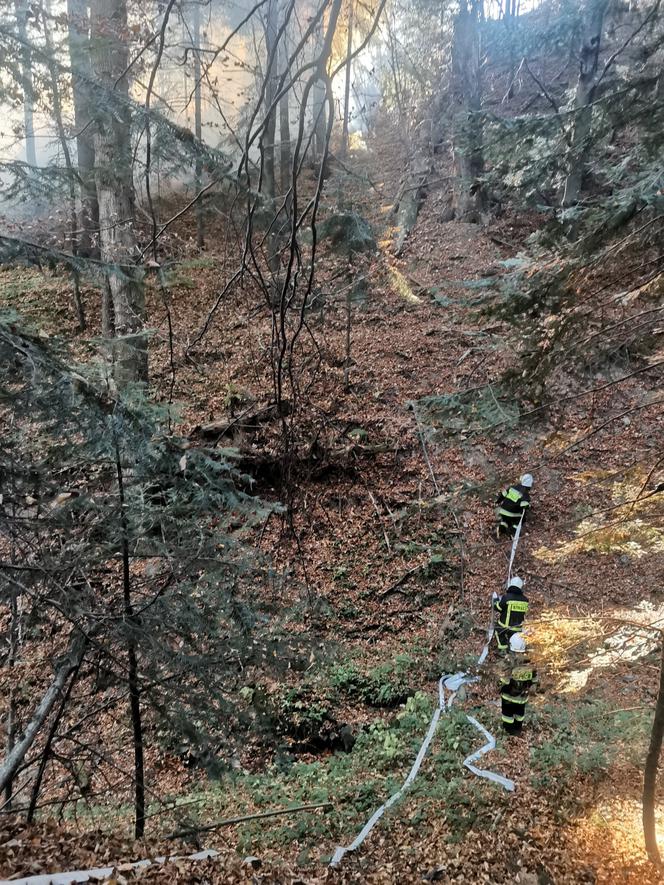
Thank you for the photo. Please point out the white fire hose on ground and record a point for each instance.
(451, 683)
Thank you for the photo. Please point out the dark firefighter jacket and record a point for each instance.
(514, 686)
(511, 609)
(512, 502)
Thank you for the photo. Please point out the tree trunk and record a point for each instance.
(269, 134)
(68, 664)
(46, 754)
(585, 93)
(198, 121)
(79, 55)
(320, 119)
(650, 772)
(131, 623)
(349, 49)
(319, 115)
(71, 172)
(285, 153)
(319, 138)
(469, 199)
(11, 662)
(115, 191)
(509, 17)
(21, 7)
(413, 187)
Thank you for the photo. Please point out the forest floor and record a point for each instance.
(390, 579)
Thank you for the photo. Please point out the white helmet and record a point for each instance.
(527, 480)
(517, 643)
(515, 582)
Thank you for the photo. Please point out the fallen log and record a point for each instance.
(230, 821)
(71, 660)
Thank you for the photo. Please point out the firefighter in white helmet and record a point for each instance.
(515, 685)
(511, 609)
(513, 504)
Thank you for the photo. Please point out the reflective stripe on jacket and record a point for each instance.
(513, 501)
(512, 608)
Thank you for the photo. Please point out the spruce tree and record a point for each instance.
(127, 561)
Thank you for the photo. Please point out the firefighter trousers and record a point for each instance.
(513, 713)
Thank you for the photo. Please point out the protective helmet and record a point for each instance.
(515, 582)
(517, 643)
(527, 480)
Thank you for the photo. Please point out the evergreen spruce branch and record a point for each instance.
(186, 509)
(34, 181)
(541, 124)
(15, 250)
(113, 101)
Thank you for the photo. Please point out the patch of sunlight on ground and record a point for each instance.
(558, 641)
(558, 441)
(401, 286)
(632, 525)
(652, 291)
(613, 828)
(356, 142)
(656, 356)
(595, 643)
(387, 241)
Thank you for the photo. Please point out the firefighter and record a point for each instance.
(513, 503)
(511, 609)
(514, 686)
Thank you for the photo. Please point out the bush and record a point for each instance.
(386, 685)
(583, 740)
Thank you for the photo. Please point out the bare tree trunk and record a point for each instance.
(67, 665)
(394, 69)
(11, 662)
(650, 772)
(21, 7)
(46, 754)
(320, 119)
(509, 17)
(319, 108)
(319, 102)
(349, 65)
(79, 54)
(71, 172)
(413, 189)
(285, 153)
(14, 637)
(585, 92)
(469, 193)
(269, 135)
(107, 318)
(349, 319)
(131, 623)
(268, 139)
(115, 190)
(198, 122)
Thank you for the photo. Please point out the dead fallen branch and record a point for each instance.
(230, 821)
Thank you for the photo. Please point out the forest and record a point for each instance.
(331, 441)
